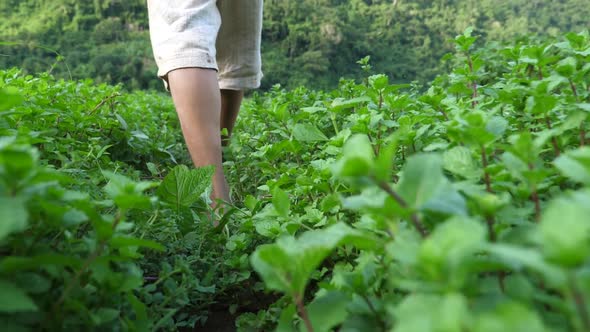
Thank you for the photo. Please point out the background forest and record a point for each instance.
(458, 204)
(305, 42)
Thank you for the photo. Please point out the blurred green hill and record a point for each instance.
(305, 42)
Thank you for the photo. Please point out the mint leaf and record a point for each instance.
(328, 310)
(183, 187)
(280, 200)
(306, 132)
(9, 97)
(13, 216)
(575, 165)
(14, 299)
(424, 187)
(287, 264)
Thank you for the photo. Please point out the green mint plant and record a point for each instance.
(474, 192)
(460, 206)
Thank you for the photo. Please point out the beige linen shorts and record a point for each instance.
(219, 34)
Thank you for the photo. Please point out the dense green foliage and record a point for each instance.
(373, 207)
(305, 42)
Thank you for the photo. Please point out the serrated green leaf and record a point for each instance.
(306, 132)
(281, 203)
(340, 104)
(286, 319)
(183, 187)
(430, 313)
(124, 241)
(313, 109)
(575, 165)
(497, 125)
(9, 97)
(287, 264)
(518, 286)
(272, 262)
(524, 258)
(105, 315)
(268, 228)
(541, 104)
(14, 299)
(153, 169)
(384, 162)
(358, 157)
(74, 217)
(379, 82)
(140, 309)
(564, 231)
(566, 67)
(424, 187)
(442, 253)
(126, 193)
(459, 161)
(13, 216)
(509, 316)
(34, 283)
(329, 310)
(251, 202)
(17, 161)
(15, 263)
(122, 121)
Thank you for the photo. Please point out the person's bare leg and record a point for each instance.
(197, 99)
(231, 101)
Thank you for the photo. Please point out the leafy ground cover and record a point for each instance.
(374, 207)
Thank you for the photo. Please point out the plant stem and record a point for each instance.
(574, 90)
(104, 101)
(501, 277)
(334, 124)
(168, 275)
(303, 312)
(414, 217)
(78, 274)
(373, 143)
(473, 83)
(553, 139)
(582, 125)
(490, 221)
(375, 313)
(85, 266)
(535, 198)
(151, 220)
(378, 147)
(443, 113)
(580, 303)
(543, 288)
(484, 162)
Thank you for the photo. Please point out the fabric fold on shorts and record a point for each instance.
(224, 35)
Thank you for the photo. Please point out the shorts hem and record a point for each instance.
(199, 60)
(242, 83)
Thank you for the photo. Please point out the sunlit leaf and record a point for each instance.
(183, 187)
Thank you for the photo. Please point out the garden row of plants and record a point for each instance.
(462, 206)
